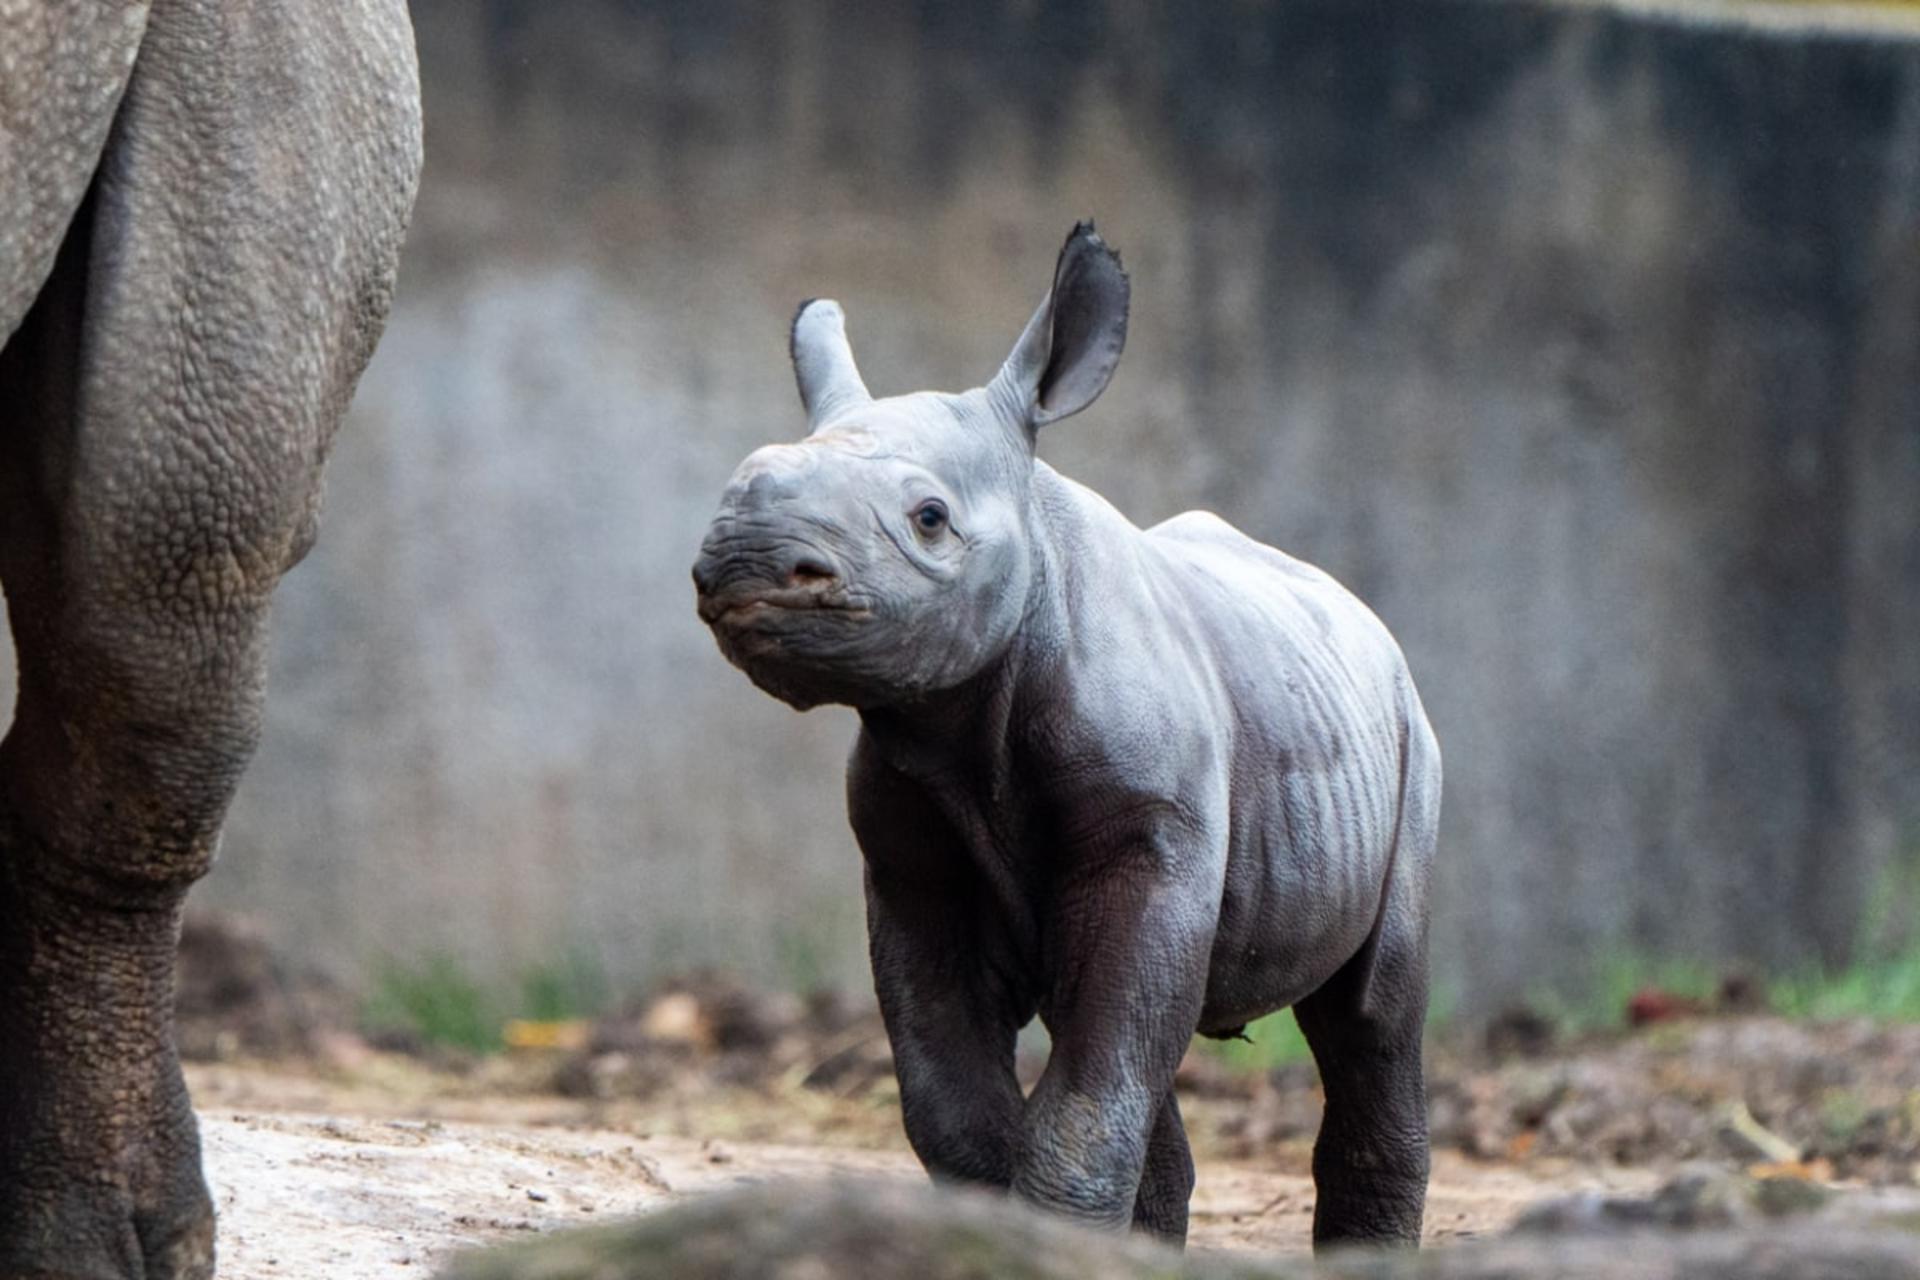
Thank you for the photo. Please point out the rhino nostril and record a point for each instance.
(811, 571)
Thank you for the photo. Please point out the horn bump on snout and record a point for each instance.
(823, 364)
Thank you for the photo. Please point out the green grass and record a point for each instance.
(437, 1000)
(1886, 988)
(574, 986)
(806, 947)
(1616, 976)
(1879, 983)
(1882, 980)
(801, 953)
(1272, 1041)
(1276, 1040)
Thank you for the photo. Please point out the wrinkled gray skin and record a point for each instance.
(1142, 783)
(201, 206)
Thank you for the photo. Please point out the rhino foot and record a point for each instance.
(96, 1224)
(99, 1154)
(86, 1233)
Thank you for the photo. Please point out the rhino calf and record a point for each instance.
(1143, 783)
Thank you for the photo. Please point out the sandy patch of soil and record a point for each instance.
(334, 1156)
(370, 1181)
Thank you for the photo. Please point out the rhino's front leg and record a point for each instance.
(1131, 947)
(952, 1054)
(949, 1019)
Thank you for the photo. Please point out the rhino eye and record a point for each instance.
(930, 517)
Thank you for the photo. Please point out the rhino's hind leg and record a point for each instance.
(1166, 1182)
(1364, 1026)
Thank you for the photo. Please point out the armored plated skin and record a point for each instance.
(1141, 783)
(203, 207)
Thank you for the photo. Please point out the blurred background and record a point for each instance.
(1582, 343)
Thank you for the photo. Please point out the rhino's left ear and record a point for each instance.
(1067, 355)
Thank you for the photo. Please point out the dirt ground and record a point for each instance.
(380, 1178)
(343, 1151)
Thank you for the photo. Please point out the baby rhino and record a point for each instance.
(1143, 783)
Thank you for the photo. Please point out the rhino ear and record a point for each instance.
(823, 362)
(1070, 348)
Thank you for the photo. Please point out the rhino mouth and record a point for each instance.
(803, 647)
(773, 606)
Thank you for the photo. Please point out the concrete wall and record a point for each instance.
(1582, 345)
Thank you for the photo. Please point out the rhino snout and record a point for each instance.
(734, 573)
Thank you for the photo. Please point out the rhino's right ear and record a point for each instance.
(823, 365)
(1070, 348)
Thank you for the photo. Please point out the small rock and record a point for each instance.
(675, 1018)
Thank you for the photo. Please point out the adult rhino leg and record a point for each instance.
(165, 407)
(130, 732)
